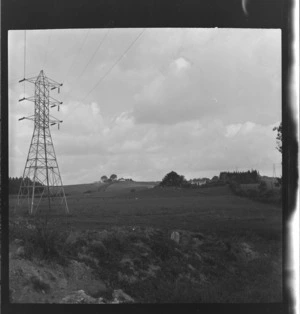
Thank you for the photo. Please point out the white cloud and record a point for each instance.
(95, 108)
(196, 101)
(180, 65)
(232, 129)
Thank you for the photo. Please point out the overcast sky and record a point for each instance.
(196, 101)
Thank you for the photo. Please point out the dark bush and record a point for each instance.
(174, 179)
(241, 193)
(100, 252)
(240, 177)
(46, 243)
(252, 193)
(262, 187)
(163, 248)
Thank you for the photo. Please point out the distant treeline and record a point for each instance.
(245, 177)
(15, 183)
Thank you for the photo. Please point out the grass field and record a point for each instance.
(215, 209)
(214, 212)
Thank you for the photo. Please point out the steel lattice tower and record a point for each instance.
(42, 185)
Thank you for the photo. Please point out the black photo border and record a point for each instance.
(48, 14)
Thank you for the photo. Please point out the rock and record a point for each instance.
(119, 296)
(95, 288)
(80, 297)
(175, 236)
(20, 251)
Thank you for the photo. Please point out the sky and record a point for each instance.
(140, 103)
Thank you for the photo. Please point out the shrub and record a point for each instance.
(163, 248)
(99, 250)
(173, 179)
(45, 242)
(235, 187)
(262, 187)
(252, 193)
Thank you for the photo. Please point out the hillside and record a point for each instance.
(113, 187)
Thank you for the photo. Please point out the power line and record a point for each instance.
(78, 53)
(103, 77)
(90, 60)
(110, 69)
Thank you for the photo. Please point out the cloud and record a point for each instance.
(232, 129)
(180, 65)
(238, 74)
(192, 148)
(196, 101)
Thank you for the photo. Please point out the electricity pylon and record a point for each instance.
(42, 185)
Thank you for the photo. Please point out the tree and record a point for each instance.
(104, 178)
(279, 137)
(113, 177)
(215, 178)
(279, 144)
(173, 179)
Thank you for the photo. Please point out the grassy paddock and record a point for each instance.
(207, 210)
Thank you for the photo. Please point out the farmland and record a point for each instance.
(216, 209)
(232, 222)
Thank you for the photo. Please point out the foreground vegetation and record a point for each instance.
(149, 264)
(155, 244)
